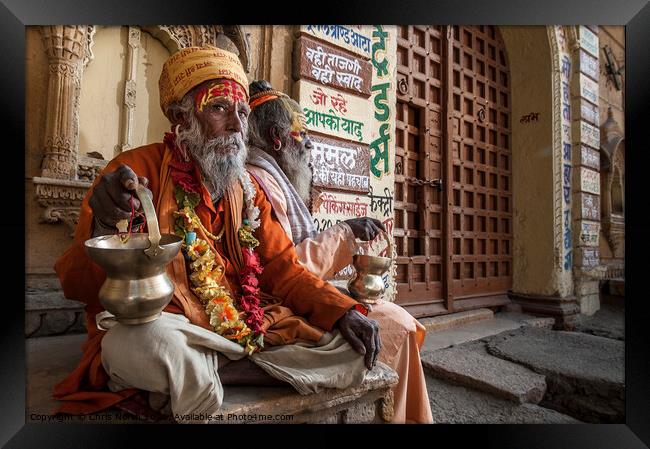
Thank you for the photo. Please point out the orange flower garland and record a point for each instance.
(241, 323)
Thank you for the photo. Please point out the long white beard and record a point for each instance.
(222, 160)
(295, 165)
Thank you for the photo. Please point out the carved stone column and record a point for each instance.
(130, 89)
(67, 50)
(59, 189)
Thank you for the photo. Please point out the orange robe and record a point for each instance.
(306, 306)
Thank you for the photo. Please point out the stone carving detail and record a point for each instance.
(193, 35)
(89, 168)
(61, 200)
(129, 94)
(130, 89)
(612, 150)
(557, 145)
(68, 49)
(229, 37)
(242, 42)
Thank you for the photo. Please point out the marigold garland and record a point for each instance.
(241, 322)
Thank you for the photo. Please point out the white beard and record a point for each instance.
(295, 165)
(220, 169)
(222, 160)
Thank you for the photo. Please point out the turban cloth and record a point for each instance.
(191, 66)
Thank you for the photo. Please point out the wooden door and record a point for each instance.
(453, 199)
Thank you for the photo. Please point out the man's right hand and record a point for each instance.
(111, 198)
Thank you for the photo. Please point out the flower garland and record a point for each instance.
(241, 322)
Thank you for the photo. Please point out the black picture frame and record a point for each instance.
(635, 15)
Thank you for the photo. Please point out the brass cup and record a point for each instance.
(368, 285)
(137, 288)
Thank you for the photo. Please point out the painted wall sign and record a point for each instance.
(589, 134)
(588, 88)
(330, 66)
(589, 180)
(589, 158)
(333, 204)
(590, 206)
(355, 38)
(531, 117)
(589, 233)
(588, 64)
(588, 40)
(380, 146)
(333, 112)
(381, 203)
(340, 165)
(590, 257)
(589, 112)
(565, 124)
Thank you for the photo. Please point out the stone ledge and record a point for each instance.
(50, 359)
(443, 322)
(528, 320)
(48, 313)
(369, 402)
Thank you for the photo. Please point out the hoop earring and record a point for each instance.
(176, 129)
(279, 145)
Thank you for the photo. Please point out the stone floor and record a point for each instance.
(484, 367)
(515, 369)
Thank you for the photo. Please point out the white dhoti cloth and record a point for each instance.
(173, 357)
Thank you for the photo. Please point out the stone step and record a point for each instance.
(48, 312)
(483, 328)
(470, 365)
(528, 320)
(442, 322)
(456, 404)
(584, 373)
(468, 332)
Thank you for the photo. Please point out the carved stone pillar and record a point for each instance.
(60, 189)
(130, 89)
(67, 50)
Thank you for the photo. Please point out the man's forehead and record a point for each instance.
(219, 90)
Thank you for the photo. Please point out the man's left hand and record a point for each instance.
(363, 334)
(365, 228)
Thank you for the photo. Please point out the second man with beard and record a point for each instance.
(279, 156)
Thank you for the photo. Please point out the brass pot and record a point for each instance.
(137, 288)
(368, 285)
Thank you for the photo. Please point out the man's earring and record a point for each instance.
(176, 129)
(277, 145)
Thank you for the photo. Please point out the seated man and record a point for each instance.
(239, 288)
(279, 154)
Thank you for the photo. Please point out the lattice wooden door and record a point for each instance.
(453, 202)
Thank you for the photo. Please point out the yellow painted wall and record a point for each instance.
(102, 93)
(529, 56)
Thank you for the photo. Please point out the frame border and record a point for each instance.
(635, 15)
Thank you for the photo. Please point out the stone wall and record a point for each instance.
(612, 153)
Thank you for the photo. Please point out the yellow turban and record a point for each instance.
(191, 66)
